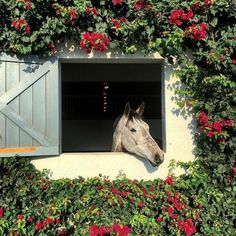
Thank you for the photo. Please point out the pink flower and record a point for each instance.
(94, 230)
(122, 231)
(221, 140)
(28, 29)
(159, 219)
(141, 204)
(123, 194)
(39, 225)
(30, 219)
(18, 24)
(196, 6)
(117, 2)
(103, 231)
(94, 41)
(62, 232)
(139, 4)
(73, 15)
(234, 170)
(179, 16)
(203, 118)
(170, 211)
(91, 11)
(197, 32)
(228, 123)
(20, 217)
(169, 180)
(116, 23)
(49, 221)
(1, 212)
(210, 134)
(114, 190)
(208, 2)
(233, 61)
(28, 6)
(217, 126)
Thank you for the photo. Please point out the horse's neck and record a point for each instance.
(119, 125)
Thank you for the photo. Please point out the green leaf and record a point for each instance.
(214, 22)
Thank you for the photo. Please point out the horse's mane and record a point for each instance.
(132, 115)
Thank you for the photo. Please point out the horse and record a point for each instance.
(131, 134)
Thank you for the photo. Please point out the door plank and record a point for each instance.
(22, 86)
(14, 117)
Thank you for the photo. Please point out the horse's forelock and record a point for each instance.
(133, 115)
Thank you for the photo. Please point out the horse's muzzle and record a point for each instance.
(159, 158)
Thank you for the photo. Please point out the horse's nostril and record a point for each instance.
(159, 158)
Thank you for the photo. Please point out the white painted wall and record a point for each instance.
(178, 134)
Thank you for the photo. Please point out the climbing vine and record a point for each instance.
(204, 30)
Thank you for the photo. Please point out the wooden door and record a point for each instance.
(29, 108)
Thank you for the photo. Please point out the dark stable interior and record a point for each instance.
(90, 107)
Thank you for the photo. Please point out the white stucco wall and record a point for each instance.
(178, 134)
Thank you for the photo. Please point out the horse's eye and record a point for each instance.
(133, 130)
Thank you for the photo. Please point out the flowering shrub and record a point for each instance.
(94, 41)
(205, 203)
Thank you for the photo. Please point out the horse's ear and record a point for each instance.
(140, 110)
(127, 109)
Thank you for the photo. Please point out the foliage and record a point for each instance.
(33, 204)
(199, 35)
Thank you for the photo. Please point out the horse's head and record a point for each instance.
(132, 134)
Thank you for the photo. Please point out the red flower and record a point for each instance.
(117, 2)
(114, 190)
(170, 210)
(197, 32)
(99, 187)
(189, 227)
(152, 188)
(73, 15)
(169, 180)
(234, 38)
(49, 221)
(208, 2)
(141, 204)
(58, 221)
(228, 123)
(122, 231)
(179, 16)
(116, 23)
(91, 11)
(20, 217)
(28, 6)
(103, 231)
(233, 61)
(132, 201)
(210, 134)
(159, 219)
(53, 50)
(203, 118)
(28, 29)
(1, 212)
(217, 126)
(221, 140)
(234, 170)
(62, 232)
(39, 225)
(94, 230)
(94, 41)
(139, 4)
(18, 24)
(98, 231)
(30, 219)
(123, 194)
(196, 6)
